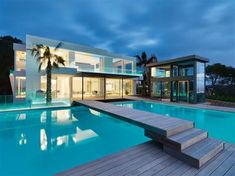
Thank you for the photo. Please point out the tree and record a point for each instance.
(142, 62)
(6, 65)
(51, 61)
(10, 39)
(215, 73)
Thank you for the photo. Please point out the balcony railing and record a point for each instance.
(111, 70)
(33, 101)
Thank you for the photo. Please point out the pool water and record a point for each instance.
(219, 124)
(45, 142)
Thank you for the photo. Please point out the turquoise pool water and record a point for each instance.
(45, 142)
(219, 124)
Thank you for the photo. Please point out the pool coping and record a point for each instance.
(197, 106)
(35, 108)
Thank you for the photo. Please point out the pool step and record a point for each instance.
(187, 138)
(199, 153)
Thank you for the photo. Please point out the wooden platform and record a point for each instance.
(178, 137)
(149, 159)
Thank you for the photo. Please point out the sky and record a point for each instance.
(166, 28)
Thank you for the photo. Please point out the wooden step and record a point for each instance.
(199, 153)
(187, 138)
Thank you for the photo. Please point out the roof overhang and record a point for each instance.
(107, 75)
(180, 60)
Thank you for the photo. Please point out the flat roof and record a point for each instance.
(74, 47)
(179, 59)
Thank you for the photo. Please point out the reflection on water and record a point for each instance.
(44, 142)
(57, 128)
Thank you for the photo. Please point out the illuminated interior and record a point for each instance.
(20, 60)
(90, 88)
(20, 87)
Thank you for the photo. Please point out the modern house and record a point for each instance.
(89, 73)
(179, 79)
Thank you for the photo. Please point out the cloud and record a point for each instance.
(168, 28)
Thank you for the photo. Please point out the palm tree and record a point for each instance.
(142, 62)
(51, 61)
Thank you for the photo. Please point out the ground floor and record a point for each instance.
(176, 91)
(77, 87)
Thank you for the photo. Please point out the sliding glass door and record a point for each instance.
(183, 90)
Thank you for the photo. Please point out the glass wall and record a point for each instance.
(185, 70)
(156, 89)
(88, 62)
(174, 89)
(60, 87)
(20, 87)
(161, 89)
(200, 78)
(128, 87)
(160, 72)
(93, 88)
(77, 88)
(63, 87)
(183, 91)
(20, 60)
(113, 88)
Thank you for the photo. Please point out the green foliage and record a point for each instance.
(10, 39)
(142, 62)
(222, 98)
(219, 74)
(222, 82)
(45, 57)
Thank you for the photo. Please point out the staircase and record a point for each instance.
(192, 145)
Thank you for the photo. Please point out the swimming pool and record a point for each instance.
(45, 142)
(219, 124)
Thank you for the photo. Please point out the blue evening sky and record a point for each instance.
(168, 28)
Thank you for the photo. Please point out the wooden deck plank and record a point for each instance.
(149, 159)
(231, 171)
(225, 166)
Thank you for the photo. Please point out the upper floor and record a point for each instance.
(78, 58)
(187, 66)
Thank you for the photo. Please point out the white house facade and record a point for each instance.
(89, 73)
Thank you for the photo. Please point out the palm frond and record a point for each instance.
(59, 60)
(144, 57)
(40, 66)
(55, 65)
(58, 45)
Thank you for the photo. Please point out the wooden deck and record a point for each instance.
(157, 123)
(149, 159)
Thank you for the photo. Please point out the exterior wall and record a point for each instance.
(33, 77)
(193, 80)
(106, 62)
(19, 70)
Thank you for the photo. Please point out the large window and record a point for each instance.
(161, 89)
(113, 88)
(93, 88)
(77, 87)
(200, 77)
(88, 62)
(20, 87)
(200, 82)
(20, 59)
(160, 72)
(128, 87)
(186, 70)
(60, 87)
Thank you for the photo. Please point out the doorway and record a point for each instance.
(183, 91)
